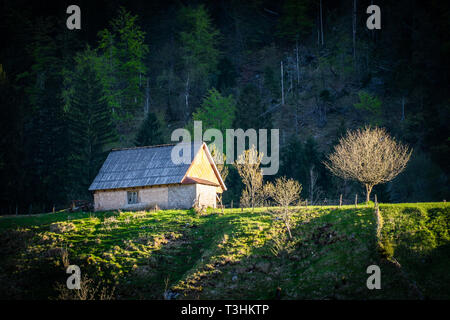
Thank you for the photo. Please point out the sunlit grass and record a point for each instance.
(241, 254)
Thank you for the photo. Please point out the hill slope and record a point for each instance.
(238, 255)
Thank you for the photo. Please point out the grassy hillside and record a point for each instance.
(237, 255)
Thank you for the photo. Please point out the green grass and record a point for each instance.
(237, 255)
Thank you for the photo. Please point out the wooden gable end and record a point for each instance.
(201, 168)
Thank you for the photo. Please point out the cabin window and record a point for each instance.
(132, 197)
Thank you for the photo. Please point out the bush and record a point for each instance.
(90, 290)
(386, 249)
(62, 227)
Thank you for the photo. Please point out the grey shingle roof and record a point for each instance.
(144, 166)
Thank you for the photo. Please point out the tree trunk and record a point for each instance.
(318, 34)
(282, 84)
(354, 30)
(321, 23)
(298, 68)
(288, 229)
(368, 191)
(403, 108)
(147, 99)
(221, 204)
(286, 223)
(186, 97)
(252, 195)
(312, 183)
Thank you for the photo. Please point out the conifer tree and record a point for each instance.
(45, 127)
(89, 124)
(252, 112)
(150, 132)
(199, 43)
(296, 20)
(122, 65)
(216, 111)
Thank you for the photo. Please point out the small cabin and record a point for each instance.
(146, 177)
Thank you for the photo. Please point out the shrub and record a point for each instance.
(285, 192)
(89, 291)
(386, 249)
(62, 227)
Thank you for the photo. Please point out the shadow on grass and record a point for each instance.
(326, 259)
(422, 246)
(231, 256)
(168, 264)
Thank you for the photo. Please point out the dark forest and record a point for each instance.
(137, 70)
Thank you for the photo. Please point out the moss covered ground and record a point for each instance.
(236, 255)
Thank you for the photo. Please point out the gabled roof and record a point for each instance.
(213, 165)
(192, 180)
(145, 166)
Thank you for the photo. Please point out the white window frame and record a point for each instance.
(132, 197)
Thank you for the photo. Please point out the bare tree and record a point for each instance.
(260, 198)
(219, 159)
(248, 167)
(369, 156)
(314, 190)
(285, 192)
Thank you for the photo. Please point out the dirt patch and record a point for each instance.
(325, 235)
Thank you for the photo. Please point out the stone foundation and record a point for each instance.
(165, 197)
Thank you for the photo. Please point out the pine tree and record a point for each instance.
(271, 84)
(216, 111)
(296, 20)
(291, 159)
(302, 160)
(251, 112)
(370, 106)
(89, 124)
(122, 65)
(200, 41)
(150, 132)
(45, 125)
(199, 44)
(227, 75)
(11, 156)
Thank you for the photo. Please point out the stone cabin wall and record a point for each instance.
(166, 197)
(206, 195)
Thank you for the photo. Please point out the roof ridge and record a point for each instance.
(154, 146)
(121, 170)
